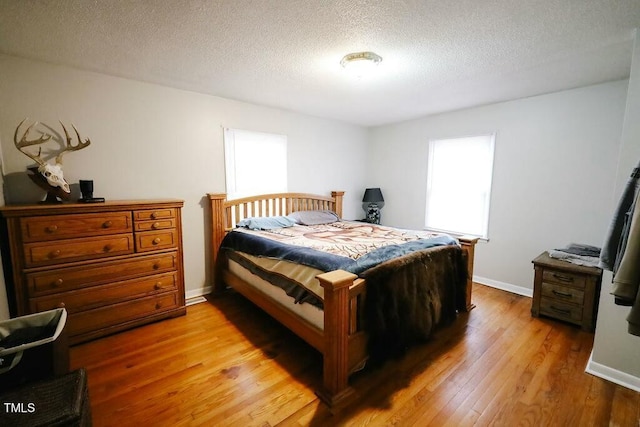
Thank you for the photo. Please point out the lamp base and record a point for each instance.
(373, 214)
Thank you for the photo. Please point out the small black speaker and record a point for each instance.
(86, 188)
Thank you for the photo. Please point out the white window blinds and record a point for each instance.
(255, 163)
(459, 185)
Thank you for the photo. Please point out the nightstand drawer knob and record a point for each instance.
(156, 241)
(107, 248)
(156, 266)
(158, 286)
(57, 283)
(158, 305)
(154, 215)
(51, 229)
(563, 278)
(155, 225)
(107, 224)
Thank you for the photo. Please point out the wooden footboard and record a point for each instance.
(342, 342)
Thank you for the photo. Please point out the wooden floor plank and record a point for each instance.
(226, 363)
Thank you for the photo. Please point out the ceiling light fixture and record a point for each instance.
(360, 63)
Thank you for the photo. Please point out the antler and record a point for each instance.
(70, 147)
(26, 143)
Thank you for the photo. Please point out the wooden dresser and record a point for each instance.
(566, 291)
(113, 265)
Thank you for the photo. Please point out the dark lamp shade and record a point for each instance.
(372, 195)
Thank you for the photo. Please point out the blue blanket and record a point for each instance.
(256, 245)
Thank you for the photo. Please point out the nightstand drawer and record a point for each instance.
(560, 310)
(563, 293)
(564, 278)
(41, 228)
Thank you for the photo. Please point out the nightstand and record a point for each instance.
(566, 291)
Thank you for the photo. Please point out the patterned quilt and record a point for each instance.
(347, 245)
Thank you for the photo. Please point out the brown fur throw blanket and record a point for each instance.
(408, 297)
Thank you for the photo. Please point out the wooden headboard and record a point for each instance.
(225, 214)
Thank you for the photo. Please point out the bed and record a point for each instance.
(342, 329)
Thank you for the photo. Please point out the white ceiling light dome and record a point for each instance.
(360, 63)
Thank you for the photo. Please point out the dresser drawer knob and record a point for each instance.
(157, 286)
(51, 229)
(56, 283)
(107, 224)
(158, 305)
(563, 278)
(156, 241)
(54, 254)
(562, 294)
(155, 225)
(154, 215)
(156, 266)
(107, 248)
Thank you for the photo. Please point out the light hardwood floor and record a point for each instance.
(228, 364)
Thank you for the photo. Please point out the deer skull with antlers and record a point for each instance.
(51, 172)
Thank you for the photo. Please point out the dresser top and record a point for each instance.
(67, 208)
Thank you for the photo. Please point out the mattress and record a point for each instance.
(309, 312)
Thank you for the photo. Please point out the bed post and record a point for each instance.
(335, 369)
(217, 234)
(468, 244)
(337, 195)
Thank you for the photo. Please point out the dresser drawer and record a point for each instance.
(560, 310)
(66, 279)
(59, 251)
(156, 240)
(103, 317)
(39, 228)
(564, 278)
(159, 224)
(153, 214)
(98, 296)
(563, 293)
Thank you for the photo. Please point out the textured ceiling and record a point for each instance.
(438, 55)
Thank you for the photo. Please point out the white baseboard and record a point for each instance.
(198, 292)
(520, 290)
(618, 377)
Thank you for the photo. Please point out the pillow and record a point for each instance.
(314, 217)
(266, 223)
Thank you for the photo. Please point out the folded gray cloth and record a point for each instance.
(587, 261)
(580, 249)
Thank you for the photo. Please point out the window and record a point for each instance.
(459, 185)
(255, 163)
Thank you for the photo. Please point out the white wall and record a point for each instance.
(150, 141)
(616, 354)
(554, 168)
